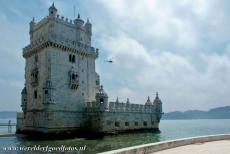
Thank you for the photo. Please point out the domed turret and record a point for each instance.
(52, 11)
(157, 99)
(79, 22)
(127, 102)
(148, 102)
(117, 100)
(102, 100)
(158, 106)
(88, 27)
(32, 24)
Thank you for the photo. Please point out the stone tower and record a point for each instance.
(62, 93)
(60, 75)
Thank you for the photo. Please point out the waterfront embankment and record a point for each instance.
(161, 146)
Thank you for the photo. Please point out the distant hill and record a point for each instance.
(8, 114)
(215, 113)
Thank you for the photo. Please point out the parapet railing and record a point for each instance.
(9, 125)
(125, 107)
(159, 146)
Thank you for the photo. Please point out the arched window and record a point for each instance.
(101, 100)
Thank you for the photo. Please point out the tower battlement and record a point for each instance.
(86, 26)
(68, 32)
(128, 107)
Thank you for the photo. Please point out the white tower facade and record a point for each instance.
(60, 76)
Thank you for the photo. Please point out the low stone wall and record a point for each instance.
(154, 147)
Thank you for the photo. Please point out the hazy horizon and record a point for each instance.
(165, 112)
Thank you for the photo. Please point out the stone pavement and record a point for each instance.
(215, 147)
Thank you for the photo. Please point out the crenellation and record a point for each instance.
(124, 107)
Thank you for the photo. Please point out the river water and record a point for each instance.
(170, 129)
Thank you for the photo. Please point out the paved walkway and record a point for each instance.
(216, 147)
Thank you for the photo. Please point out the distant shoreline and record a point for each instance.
(215, 113)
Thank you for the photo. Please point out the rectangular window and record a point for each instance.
(136, 123)
(70, 57)
(35, 94)
(145, 123)
(36, 58)
(152, 122)
(73, 59)
(97, 82)
(126, 123)
(117, 124)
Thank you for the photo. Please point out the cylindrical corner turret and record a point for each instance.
(52, 11)
(102, 100)
(88, 27)
(158, 106)
(32, 24)
(24, 99)
(148, 102)
(79, 22)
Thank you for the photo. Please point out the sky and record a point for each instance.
(179, 48)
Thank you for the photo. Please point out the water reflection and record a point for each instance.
(96, 145)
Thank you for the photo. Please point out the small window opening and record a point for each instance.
(101, 100)
(35, 94)
(97, 83)
(117, 124)
(70, 57)
(36, 58)
(73, 59)
(73, 76)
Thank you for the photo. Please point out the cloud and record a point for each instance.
(179, 48)
(181, 84)
(179, 26)
(158, 48)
